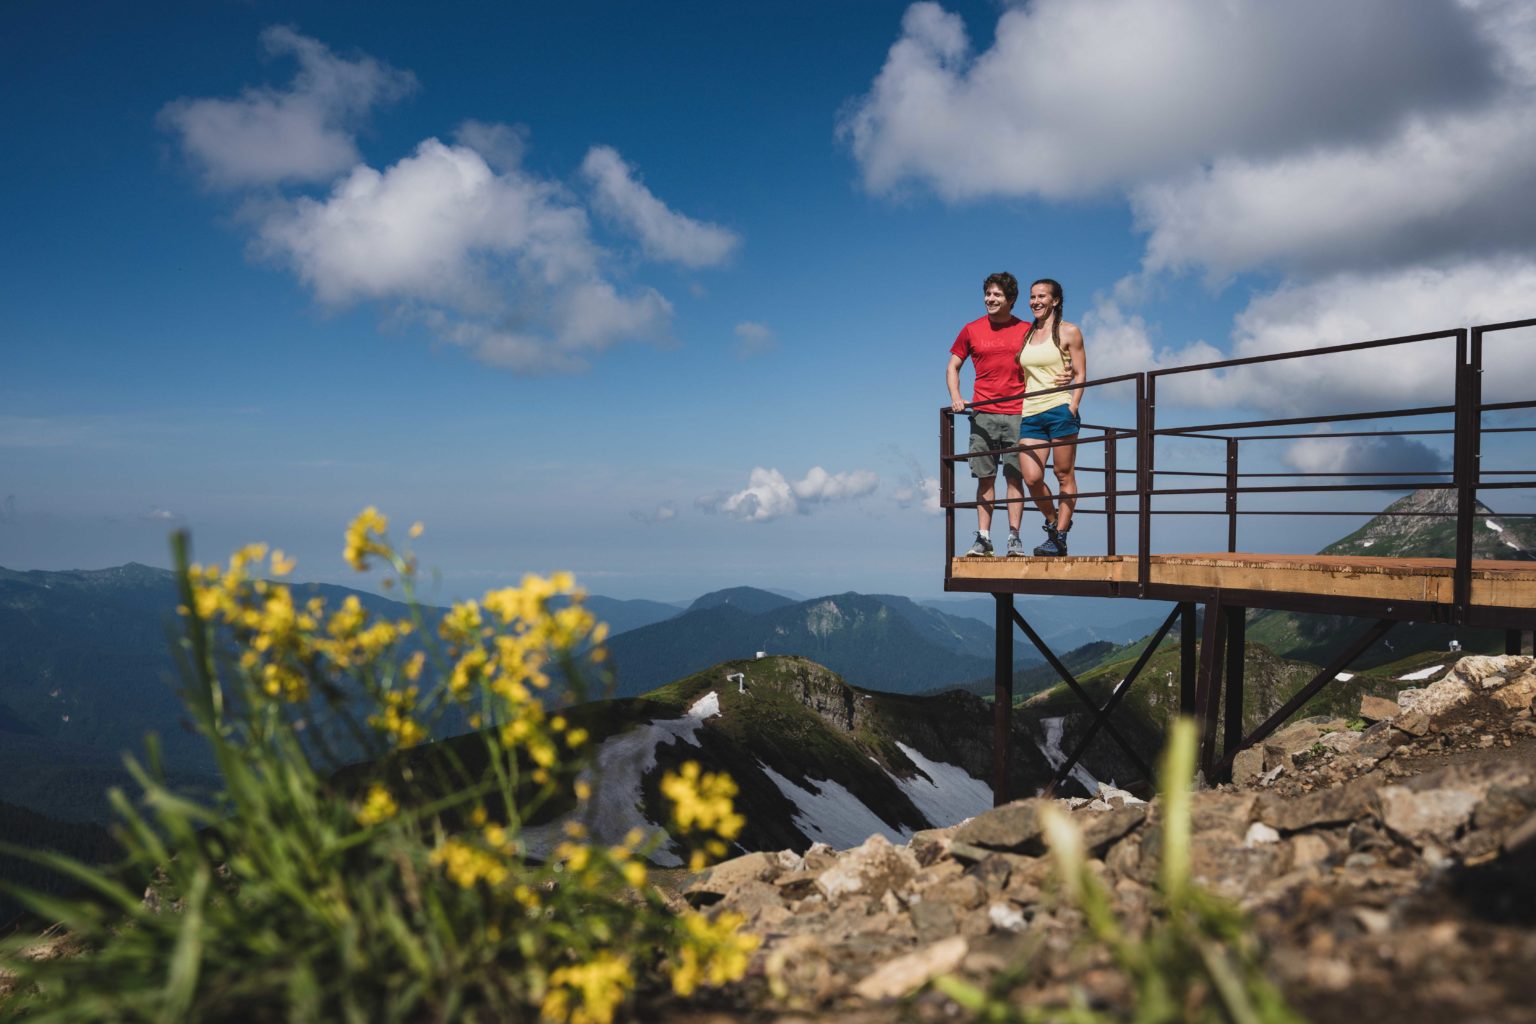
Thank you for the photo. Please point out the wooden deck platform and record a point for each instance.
(1415, 582)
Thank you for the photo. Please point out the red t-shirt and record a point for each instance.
(994, 352)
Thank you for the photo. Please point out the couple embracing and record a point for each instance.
(1013, 360)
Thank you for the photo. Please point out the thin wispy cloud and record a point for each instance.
(754, 339)
(663, 233)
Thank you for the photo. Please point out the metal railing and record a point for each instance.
(1460, 418)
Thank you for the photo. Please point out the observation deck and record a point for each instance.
(1161, 476)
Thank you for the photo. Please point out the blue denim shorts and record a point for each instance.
(1056, 422)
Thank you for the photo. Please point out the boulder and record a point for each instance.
(870, 870)
(1377, 709)
(1014, 827)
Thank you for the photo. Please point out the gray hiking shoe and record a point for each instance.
(981, 548)
(1015, 546)
(1055, 542)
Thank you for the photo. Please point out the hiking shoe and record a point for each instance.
(1055, 542)
(981, 548)
(1015, 546)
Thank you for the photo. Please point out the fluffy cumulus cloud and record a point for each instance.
(458, 236)
(1439, 181)
(303, 133)
(770, 495)
(1378, 169)
(663, 233)
(1073, 96)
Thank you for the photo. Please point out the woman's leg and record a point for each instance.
(1064, 461)
(1033, 465)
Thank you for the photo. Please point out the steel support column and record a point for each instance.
(1002, 697)
(1232, 714)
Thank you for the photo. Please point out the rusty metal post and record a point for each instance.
(1208, 679)
(1111, 476)
(1146, 395)
(947, 486)
(1002, 697)
(1232, 715)
(1187, 648)
(1231, 494)
(1464, 471)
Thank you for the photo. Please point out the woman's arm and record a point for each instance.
(1074, 342)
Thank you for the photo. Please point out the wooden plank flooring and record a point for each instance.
(1497, 584)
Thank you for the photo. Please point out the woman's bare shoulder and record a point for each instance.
(1071, 331)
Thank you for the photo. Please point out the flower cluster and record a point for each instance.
(702, 811)
(401, 883)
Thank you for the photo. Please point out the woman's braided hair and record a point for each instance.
(1061, 311)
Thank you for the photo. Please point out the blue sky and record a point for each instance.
(662, 294)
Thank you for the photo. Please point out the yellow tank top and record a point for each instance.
(1042, 363)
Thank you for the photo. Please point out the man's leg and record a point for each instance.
(986, 489)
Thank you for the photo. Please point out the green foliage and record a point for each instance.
(407, 892)
(1195, 961)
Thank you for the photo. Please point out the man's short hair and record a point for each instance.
(1007, 282)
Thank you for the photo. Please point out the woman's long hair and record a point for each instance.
(1061, 309)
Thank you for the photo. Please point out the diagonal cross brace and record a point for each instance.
(1119, 691)
(1306, 693)
(1072, 684)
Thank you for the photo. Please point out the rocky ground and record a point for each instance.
(1386, 867)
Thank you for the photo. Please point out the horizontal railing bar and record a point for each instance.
(1506, 326)
(1356, 346)
(1428, 485)
(1050, 391)
(1431, 410)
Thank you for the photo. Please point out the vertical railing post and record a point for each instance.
(1002, 698)
(1146, 402)
(1464, 473)
(947, 486)
(1231, 494)
(1111, 482)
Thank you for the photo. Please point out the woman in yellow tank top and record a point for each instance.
(1052, 357)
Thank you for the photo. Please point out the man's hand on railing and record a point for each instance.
(958, 405)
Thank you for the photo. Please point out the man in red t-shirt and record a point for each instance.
(992, 344)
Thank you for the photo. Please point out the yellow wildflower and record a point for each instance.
(378, 806)
(602, 984)
(364, 537)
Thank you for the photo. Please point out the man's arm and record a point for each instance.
(952, 378)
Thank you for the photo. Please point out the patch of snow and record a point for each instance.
(621, 764)
(833, 816)
(1056, 757)
(1511, 544)
(1367, 543)
(1423, 673)
(1493, 525)
(949, 795)
(1344, 677)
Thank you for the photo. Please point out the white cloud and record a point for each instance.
(663, 513)
(1383, 304)
(922, 493)
(1074, 96)
(663, 233)
(753, 339)
(769, 495)
(503, 260)
(819, 485)
(1440, 182)
(1350, 457)
(300, 134)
